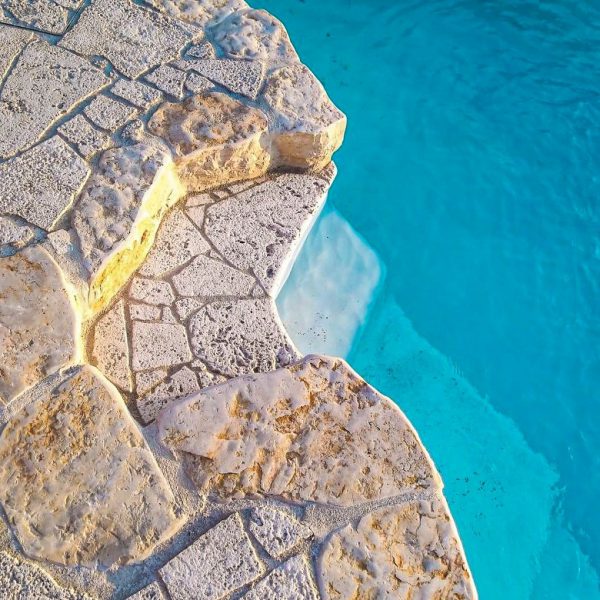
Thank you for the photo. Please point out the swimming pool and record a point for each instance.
(468, 188)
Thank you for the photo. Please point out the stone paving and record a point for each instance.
(161, 438)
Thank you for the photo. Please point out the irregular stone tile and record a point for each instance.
(200, 51)
(203, 199)
(86, 139)
(200, 12)
(220, 562)
(277, 531)
(131, 37)
(151, 291)
(262, 228)
(169, 80)
(240, 336)
(12, 42)
(309, 127)
(314, 431)
(406, 551)
(181, 383)
(51, 17)
(14, 235)
(133, 132)
(144, 382)
(141, 95)
(243, 77)
(168, 316)
(143, 312)
(293, 580)
(118, 213)
(39, 328)
(108, 113)
(22, 580)
(110, 352)
(77, 481)
(186, 306)
(40, 184)
(254, 35)
(197, 84)
(196, 214)
(206, 277)
(151, 592)
(216, 139)
(159, 345)
(45, 84)
(178, 241)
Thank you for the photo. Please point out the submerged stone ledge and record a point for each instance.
(161, 163)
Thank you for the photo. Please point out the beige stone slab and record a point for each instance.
(42, 15)
(169, 80)
(220, 562)
(39, 326)
(406, 551)
(111, 348)
(40, 184)
(12, 42)
(293, 580)
(240, 336)
(202, 13)
(314, 431)
(77, 481)
(46, 82)
(108, 113)
(159, 345)
(133, 38)
(254, 35)
(87, 139)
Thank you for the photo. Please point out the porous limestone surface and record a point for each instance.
(77, 481)
(277, 531)
(314, 431)
(46, 82)
(161, 163)
(39, 326)
(404, 551)
(291, 581)
(220, 562)
(51, 16)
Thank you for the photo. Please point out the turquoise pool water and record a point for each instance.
(470, 177)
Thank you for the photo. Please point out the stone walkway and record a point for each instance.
(161, 437)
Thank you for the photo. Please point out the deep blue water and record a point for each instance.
(472, 168)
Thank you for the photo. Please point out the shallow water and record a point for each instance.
(471, 168)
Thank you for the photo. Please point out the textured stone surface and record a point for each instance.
(309, 127)
(44, 84)
(111, 349)
(291, 581)
(87, 139)
(277, 531)
(40, 184)
(12, 42)
(216, 139)
(39, 329)
(14, 235)
(77, 481)
(406, 551)
(240, 336)
(136, 92)
(178, 241)
(118, 213)
(239, 76)
(159, 345)
(21, 580)
(221, 561)
(181, 383)
(108, 113)
(199, 12)
(313, 431)
(131, 37)
(151, 291)
(51, 16)
(151, 592)
(261, 228)
(169, 80)
(254, 35)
